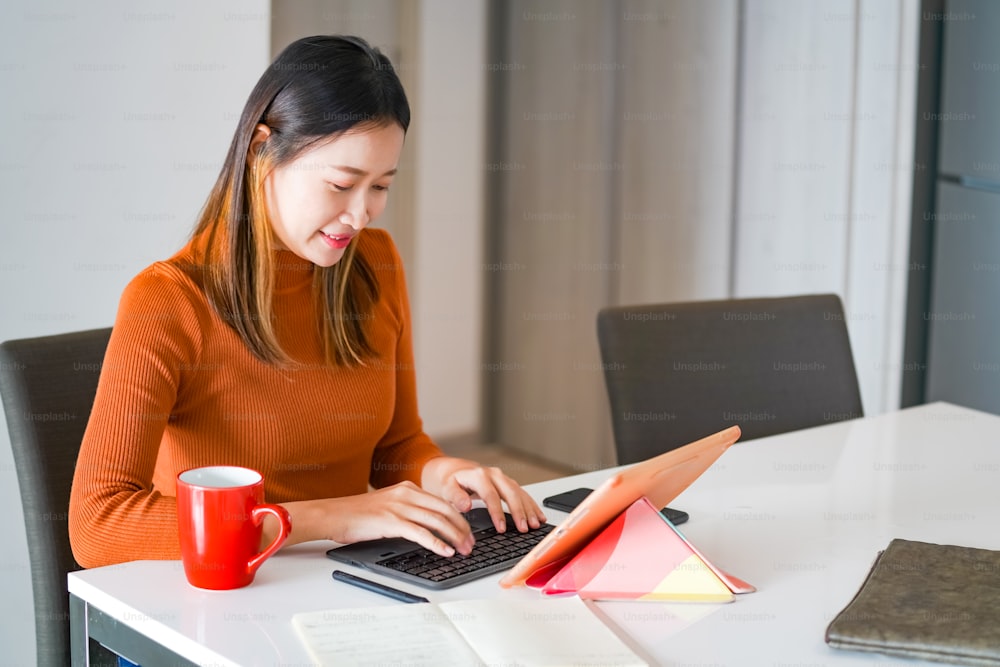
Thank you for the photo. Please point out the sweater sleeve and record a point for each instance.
(115, 513)
(404, 449)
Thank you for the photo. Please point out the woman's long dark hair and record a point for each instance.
(317, 88)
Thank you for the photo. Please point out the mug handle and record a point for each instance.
(284, 529)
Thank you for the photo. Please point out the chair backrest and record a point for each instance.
(48, 386)
(677, 372)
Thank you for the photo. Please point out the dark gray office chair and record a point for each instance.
(678, 372)
(48, 386)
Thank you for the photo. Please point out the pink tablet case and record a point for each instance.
(641, 556)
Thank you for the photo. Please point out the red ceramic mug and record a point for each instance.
(220, 510)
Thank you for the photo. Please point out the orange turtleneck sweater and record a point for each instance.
(179, 389)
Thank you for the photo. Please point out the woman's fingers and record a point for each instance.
(495, 488)
(409, 512)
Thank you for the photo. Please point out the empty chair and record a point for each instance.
(679, 371)
(48, 386)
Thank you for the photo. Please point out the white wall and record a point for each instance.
(825, 167)
(881, 189)
(116, 117)
(446, 283)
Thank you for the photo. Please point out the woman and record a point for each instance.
(279, 339)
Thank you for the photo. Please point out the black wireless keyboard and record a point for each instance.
(493, 552)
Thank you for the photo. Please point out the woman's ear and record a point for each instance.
(260, 135)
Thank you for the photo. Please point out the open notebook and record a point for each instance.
(560, 631)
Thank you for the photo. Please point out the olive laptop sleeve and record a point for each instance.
(929, 601)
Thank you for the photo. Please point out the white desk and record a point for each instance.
(801, 516)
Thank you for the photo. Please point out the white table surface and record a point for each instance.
(801, 516)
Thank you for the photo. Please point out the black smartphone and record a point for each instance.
(568, 500)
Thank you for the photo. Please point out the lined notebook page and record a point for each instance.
(552, 631)
(538, 632)
(407, 634)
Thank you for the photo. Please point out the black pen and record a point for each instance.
(376, 587)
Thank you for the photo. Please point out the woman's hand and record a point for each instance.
(402, 510)
(430, 516)
(405, 510)
(459, 481)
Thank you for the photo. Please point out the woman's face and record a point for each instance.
(320, 201)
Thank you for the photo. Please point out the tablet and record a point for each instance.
(660, 479)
